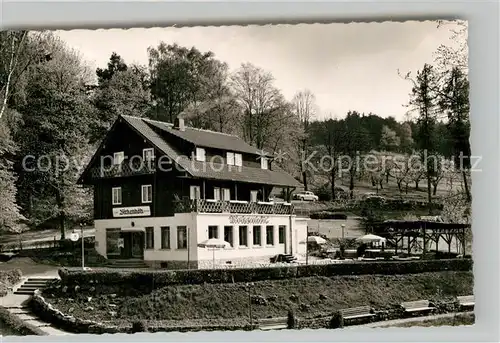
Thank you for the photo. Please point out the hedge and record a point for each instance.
(159, 278)
(9, 278)
(17, 325)
(328, 215)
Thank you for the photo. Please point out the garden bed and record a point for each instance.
(310, 297)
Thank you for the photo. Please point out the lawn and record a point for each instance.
(309, 296)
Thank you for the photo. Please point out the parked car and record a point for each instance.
(306, 196)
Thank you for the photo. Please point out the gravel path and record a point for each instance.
(392, 323)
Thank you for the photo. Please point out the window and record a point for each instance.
(213, 232)
(148, 155)
(238, 160)
(281, 234)
(112, 238)
(216, 193)
(147, 193)
(228, 234)
(243, 233)
(264, 163)
(181, 237)
(200, 154)
(253, 196)
(117, 195)
(256, 235)
(118, 158)
(150, 238)
(194, 192)
(165, 237)
(270, 235)
(226, 194)
(230, 158)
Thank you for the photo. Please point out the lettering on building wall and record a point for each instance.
(138, 211)
(248, 219)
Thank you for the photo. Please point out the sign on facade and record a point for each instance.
(138, 211)
(233, 219)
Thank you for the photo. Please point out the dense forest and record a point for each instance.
(54, 106)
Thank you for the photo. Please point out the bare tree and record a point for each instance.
(304, 106)
(264, 107)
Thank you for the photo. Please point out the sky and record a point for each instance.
(346, 66)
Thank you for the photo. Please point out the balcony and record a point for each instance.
(127, 168)
(233, 206)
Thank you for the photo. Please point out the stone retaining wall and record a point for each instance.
(50, 314)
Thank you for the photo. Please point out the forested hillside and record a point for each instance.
(55, 110)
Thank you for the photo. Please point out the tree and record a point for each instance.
(389, 140)
(178, 75)
(56, 120)
(264, 107)
(406, 138)
(9, 209)
(124, 93)
(18, 51)
(115, 64)
(423, 100)
(219, 109)
(304, 105)
(355, 142)
(454, 101)
(455, 55)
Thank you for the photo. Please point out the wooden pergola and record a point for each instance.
(428, 231)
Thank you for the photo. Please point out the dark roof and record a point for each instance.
(206, 138)
(416, 224)
(275, 177)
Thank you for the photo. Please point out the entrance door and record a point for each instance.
(127, 246)
(137, 243)
(133, 245)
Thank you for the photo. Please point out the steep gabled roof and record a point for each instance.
(206, 138)
(197, 169)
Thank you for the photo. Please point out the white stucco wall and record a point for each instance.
(237, 251)
(156, 254)
(198, 224)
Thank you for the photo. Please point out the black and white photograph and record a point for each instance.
(235, 178)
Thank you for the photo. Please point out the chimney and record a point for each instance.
(179, 124)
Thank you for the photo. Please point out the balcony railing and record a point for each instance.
(243, 207)
(127, 168)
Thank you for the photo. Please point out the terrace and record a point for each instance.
(127, 168)
(233, 206)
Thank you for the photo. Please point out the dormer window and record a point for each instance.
(200, 154)
(234, 159)
(148, 155)
(118, 158)
(264, 163)
(230, 158)
(238, 160)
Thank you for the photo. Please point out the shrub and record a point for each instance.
(131, 281)
(9, 278)
(139, 326)
(337, 320)
(328, 215)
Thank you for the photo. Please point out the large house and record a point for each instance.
(161, 189)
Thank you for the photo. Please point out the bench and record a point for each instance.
(357, 313)
(411, 307)
(273, 323)
(466, 301)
